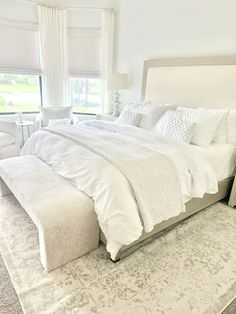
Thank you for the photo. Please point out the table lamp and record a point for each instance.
(116, 82)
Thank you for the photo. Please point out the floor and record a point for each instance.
(9, 303)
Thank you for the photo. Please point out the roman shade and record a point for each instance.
(84, 52)
(19, 52)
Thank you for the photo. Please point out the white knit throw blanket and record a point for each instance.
(151, 175)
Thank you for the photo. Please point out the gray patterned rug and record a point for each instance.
(190, 269)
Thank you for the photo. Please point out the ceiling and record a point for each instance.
(75, 3)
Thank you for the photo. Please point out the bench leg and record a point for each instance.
(4, 189)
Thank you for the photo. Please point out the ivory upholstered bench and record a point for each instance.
(64, 216)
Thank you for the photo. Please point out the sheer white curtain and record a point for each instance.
(53, 46)
(107, 45)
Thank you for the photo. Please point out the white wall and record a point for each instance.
(77, 17)
(159, 29)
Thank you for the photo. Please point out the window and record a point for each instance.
(85, 94)
(84, 56)
(19, 93)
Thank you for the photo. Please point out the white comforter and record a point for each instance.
(91, 156)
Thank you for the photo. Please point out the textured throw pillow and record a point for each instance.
(150, 111)
(49, 113)
(221, 130)
(171, 126)
(206, 124)
(129, 117)
(56, 122)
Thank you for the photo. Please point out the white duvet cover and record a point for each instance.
(81, 155)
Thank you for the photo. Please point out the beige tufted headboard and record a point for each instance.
(205, 82)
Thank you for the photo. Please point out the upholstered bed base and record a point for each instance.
(192, 207)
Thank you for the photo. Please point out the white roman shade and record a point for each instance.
(84, 52)
(19, 51)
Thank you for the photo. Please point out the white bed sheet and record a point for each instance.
(222, 158)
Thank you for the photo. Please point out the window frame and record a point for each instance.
(40, 93)
(85, 76)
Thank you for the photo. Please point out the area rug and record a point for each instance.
(189, 269)
(9, 303)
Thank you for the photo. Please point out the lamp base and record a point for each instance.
(116, 104)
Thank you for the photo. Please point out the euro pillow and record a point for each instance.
(171, 126)
(206, 124)
(221, 130)
(129, 117)
(150, 111)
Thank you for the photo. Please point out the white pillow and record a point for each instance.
(56, 122)
(206, 125)
(170, 125)
(221, 130)
(129, 117)
(150, 111)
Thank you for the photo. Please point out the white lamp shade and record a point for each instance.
(118, 81)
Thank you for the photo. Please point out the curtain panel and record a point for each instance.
(107, 48)
(53, 48)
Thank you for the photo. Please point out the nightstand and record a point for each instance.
(105, 117)
(24, 124)
(232, 198)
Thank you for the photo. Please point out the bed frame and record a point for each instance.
(208, 82)
(192, 207)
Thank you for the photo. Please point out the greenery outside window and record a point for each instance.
(19, 92)
(85, 94)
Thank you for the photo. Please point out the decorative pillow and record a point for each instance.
(206, 125)
(150, 111)
(129, 117)
(171, 126)
(49, 113)
(56, 122)
(221, 130)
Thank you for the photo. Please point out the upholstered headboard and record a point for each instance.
(205, 82)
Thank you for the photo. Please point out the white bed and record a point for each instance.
(221, 157)
(141, 182)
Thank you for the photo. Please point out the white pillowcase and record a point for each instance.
(150, 111)
(206, 124)
(221, 130)
(56, 122)
(129, 117)
(170, 125)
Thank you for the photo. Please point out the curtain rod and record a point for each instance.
(69, 8)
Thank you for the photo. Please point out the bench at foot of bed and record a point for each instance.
(64, 216)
